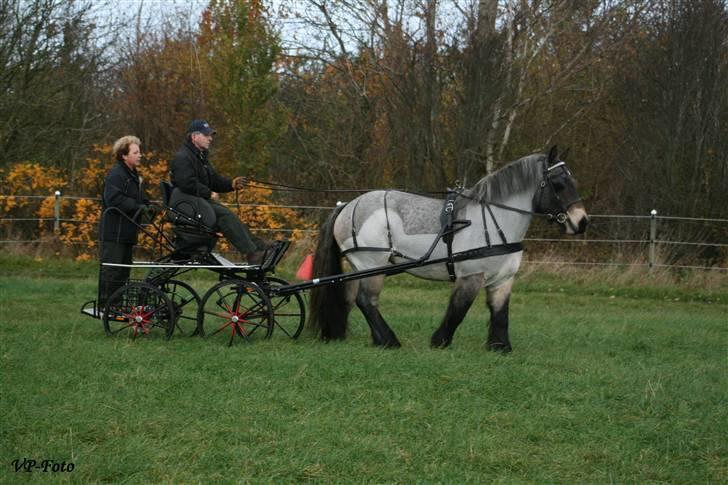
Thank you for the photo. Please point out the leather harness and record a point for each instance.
(449, 225)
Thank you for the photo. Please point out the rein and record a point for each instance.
(559, 217)
(254, 183)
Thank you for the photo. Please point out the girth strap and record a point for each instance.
(448, 230)
(448, 234)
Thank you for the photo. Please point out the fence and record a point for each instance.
(652, 241)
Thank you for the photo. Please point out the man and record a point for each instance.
(122, 200)
(193, 174)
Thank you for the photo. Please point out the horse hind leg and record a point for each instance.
(367, 300)
(498, 299)
(461, 298)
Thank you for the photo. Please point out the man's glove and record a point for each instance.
(239, 182)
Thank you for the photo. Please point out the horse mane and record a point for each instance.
(515, 177)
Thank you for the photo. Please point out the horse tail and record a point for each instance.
(328, 309)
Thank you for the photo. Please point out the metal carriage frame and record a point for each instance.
(241, 303)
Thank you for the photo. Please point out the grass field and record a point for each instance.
(606, 383)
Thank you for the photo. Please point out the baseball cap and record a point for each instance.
(202, 126)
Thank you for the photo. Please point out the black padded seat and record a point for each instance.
(192, 220)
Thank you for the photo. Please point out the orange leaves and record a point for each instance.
(80, 213)
(28, 178)
(256, 208)
(82, 229)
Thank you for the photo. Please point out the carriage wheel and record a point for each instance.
(186, 303)
(235, 307)
(289, 312)
(138, 309)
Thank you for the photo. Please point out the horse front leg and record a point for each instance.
(498, 299)
(367, 300)
(462, 296)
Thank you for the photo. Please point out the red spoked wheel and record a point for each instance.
(235, 307)
(138, 309)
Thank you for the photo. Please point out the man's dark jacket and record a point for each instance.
(194, 175)
(122, 189)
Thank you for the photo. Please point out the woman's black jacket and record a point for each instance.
(122, 189)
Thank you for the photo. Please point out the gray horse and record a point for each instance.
(484, 225)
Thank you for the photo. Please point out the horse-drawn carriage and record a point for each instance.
(240, 303)
(381, 233)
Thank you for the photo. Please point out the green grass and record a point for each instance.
(605, 384)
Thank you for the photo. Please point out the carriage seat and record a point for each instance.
(192, 220)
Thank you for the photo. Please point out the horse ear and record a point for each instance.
(565, 153)
(553, 155)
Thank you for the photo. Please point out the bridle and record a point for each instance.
(559, 214)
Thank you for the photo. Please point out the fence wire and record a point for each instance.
(647, 239)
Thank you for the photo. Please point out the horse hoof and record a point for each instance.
(500, 347)
(439, 342)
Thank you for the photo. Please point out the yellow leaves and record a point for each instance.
(257, 209)
(81, 230)
(33, 178)
(80, 212)
(28, 178)
(91, 177)
(154, 172)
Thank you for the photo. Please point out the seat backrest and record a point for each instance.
(166, 189)
(196, 209)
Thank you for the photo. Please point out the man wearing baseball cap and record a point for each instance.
(193, 174)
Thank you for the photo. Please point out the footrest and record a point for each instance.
(89, 309)
(223, 261)
(273, 254)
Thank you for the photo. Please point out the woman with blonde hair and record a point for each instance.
(123, 202)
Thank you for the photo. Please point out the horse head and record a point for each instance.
(558, 198)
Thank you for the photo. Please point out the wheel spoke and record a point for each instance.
(241, 305)
(138, 306)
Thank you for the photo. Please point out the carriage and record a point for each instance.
(241, 303)
(381, 233)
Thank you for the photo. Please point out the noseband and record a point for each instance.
(559, 214)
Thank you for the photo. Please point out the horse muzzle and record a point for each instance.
(574, 221)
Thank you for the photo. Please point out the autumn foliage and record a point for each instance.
(28, 195)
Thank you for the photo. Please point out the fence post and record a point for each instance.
(57, 214)
(653, 236)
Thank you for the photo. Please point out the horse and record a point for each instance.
(473, 236)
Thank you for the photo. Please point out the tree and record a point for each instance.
(241, 52)
(160, 85)
(52, 57)
(673, 92)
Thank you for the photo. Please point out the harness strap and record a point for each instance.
(485, 224)
(386, 218)
(356, 247)
(446, 220)
(497, 226)
(487, 252)
(367, 248)
(353, 224)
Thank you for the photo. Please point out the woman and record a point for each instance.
(123, 200)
